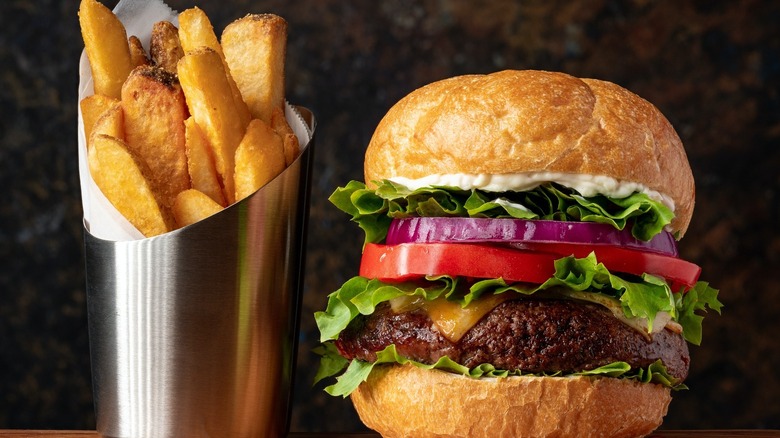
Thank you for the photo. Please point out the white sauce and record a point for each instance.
(587, 185)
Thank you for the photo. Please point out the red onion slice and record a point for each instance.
(458, 229)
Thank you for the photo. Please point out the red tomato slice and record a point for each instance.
(531, 265)
(414, 260)
(619, 259)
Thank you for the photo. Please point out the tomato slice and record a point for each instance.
(530, 264)
(407, 261)
(676, 271)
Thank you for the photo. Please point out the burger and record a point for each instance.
(520, 273)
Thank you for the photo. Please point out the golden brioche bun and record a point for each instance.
(406, 401)
(532, 121)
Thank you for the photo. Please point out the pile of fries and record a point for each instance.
(195, 124)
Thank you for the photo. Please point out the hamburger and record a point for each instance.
(520, 273)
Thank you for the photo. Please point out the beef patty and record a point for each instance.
(532, 335)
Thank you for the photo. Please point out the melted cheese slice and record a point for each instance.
(662, 319)
(452, 320)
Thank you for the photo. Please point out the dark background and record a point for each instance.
(713, 67)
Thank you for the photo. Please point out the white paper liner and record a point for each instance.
(100, 217)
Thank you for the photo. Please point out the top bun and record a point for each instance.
(532, 121)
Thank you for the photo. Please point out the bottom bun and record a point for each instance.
(406, 401)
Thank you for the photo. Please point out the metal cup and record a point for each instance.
(193, 333)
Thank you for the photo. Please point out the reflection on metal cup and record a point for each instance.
(193, 333)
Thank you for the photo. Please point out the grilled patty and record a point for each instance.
(532, 335)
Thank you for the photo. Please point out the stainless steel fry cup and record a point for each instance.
(193, 333)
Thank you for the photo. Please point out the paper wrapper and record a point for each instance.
(101, 219)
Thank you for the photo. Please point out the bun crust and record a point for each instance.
(532, 121)
(406, 401)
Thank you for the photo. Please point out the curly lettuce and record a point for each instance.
(374, 209)
(639, 297)
(357, 371)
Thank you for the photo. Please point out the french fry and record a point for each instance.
(254, 49)
(193, 205)
(291, 146)
(196, 32)
(170, 138)
(137, 53)
(155, 109)
(205, 84)
(121, 179)
(259, 158)
(105, 42)
(200, 163)
(92, 107)
(110, 123)
(165, 47)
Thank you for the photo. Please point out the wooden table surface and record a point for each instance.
(658, 434)
(92, 434)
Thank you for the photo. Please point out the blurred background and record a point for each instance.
(712, 67)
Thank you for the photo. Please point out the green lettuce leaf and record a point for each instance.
(639, 297)
(373, 210)
(698, 298)
(357, 371)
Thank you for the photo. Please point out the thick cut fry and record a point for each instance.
(193, 205)
(164, 46)
(137, 53)
(289, 139)
(259, 158)
(200, 163)
(121, 179)
(196, 32)
(92, 107)
(207, 89)
(110, 123)
(255, 48)
(155, 110)
(105, 42)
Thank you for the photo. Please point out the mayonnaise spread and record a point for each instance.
(586, 185)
